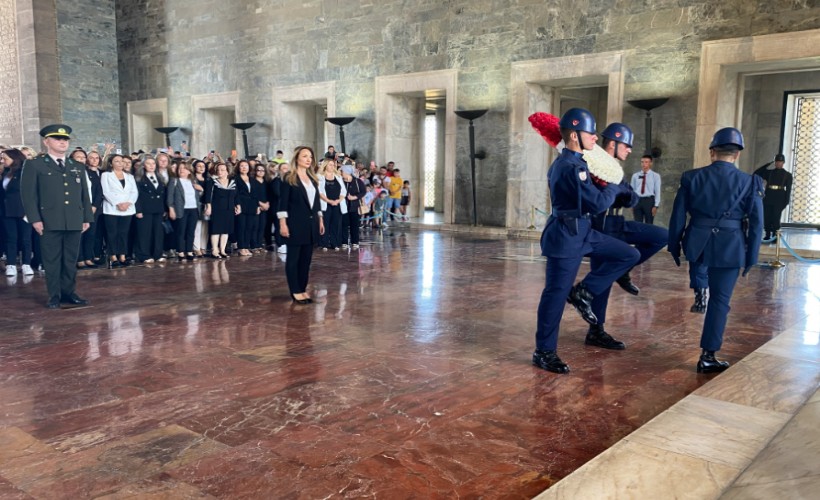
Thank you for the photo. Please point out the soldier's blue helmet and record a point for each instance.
(578, 119)
(618, 132)
(728, 136)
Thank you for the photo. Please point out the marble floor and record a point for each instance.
(410, 376)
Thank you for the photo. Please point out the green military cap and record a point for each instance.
(57, 130)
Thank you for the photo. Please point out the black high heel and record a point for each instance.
(301, 301)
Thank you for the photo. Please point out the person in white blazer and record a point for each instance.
(333, 193)
(119, 196)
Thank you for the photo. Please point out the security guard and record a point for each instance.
(778, 192)
(56, 201)
(647, 238)
(568, 236)
(718, 198)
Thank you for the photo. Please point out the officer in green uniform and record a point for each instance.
(58, 206)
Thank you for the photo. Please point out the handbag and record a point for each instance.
(167, 226)
(364, 209)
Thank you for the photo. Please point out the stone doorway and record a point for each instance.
(402, 105)
(552, 86)
(212, 118)
(299, 112)
(143, 118)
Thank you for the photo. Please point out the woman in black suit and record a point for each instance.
(18, 229)
(259, 192)
(248, 207)
(150, 212)
(300, 221)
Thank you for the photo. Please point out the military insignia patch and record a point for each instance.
(582, 175)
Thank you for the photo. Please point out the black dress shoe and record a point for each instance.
(114, 264)
(708, 363)
(581, 298)
(596, 336)
(75, 300)
(625, 282)
(549, 360)
(701, 299)
(189, 258)
(53, 303)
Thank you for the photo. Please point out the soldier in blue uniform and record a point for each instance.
(568, 236)
(56, 200)
(647, 238)
(720, 201)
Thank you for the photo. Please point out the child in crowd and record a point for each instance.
(378, 209)
(368, 198)
(405, 200)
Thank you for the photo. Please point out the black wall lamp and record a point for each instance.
(341, 121)
(473, 114)
(244, 127)
(648, 105)
(167, 131)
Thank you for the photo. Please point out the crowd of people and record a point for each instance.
(166, 205)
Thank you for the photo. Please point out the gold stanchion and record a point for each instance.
(777, 263)
(532, 217)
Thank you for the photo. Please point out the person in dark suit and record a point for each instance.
(259, 192)
(183, 209)
(646, 238)
(151, 210)
(275, 194)
(17, 228)
(300, 221)
(96, 232)
(248, 208)
(718, 198)
(86, 257)
(778, 191)
(56, 202)
(568, 236)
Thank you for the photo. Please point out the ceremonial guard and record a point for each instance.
(778, 192)
(57, 203)
(647, 238)
(723, 234)
(568, 236)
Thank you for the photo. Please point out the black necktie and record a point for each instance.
(60, 163)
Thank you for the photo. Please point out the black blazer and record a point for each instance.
(95, 178)
(12, 200)
(259, 191)
(244, 198)
(151, 199)
(303, 215)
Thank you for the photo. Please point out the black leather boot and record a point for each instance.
(625, 282)
(701, 299)
(549, 360)
(581, 298)
(708, 363)
(596, 336)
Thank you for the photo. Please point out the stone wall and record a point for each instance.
(176, 49)
(89, 80)
(11, 120)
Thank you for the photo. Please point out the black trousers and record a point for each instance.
(59, 250)
(350, 226)
(87, 242)
(246, 226)
(297, 267)
(117, 228)
(184, 228)
(18, 236)
(333, 227)
(270, 219)
(99, 233)
(643, 210)
(150, 237)
(258, 238)
(771, 216)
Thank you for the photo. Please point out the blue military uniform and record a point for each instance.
(647, 238)
(568, 236)
(717, 198)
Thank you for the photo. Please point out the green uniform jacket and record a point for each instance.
(59, 199)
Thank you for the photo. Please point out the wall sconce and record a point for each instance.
(167, 131)
(648, 105)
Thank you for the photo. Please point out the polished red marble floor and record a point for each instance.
(409, 378)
